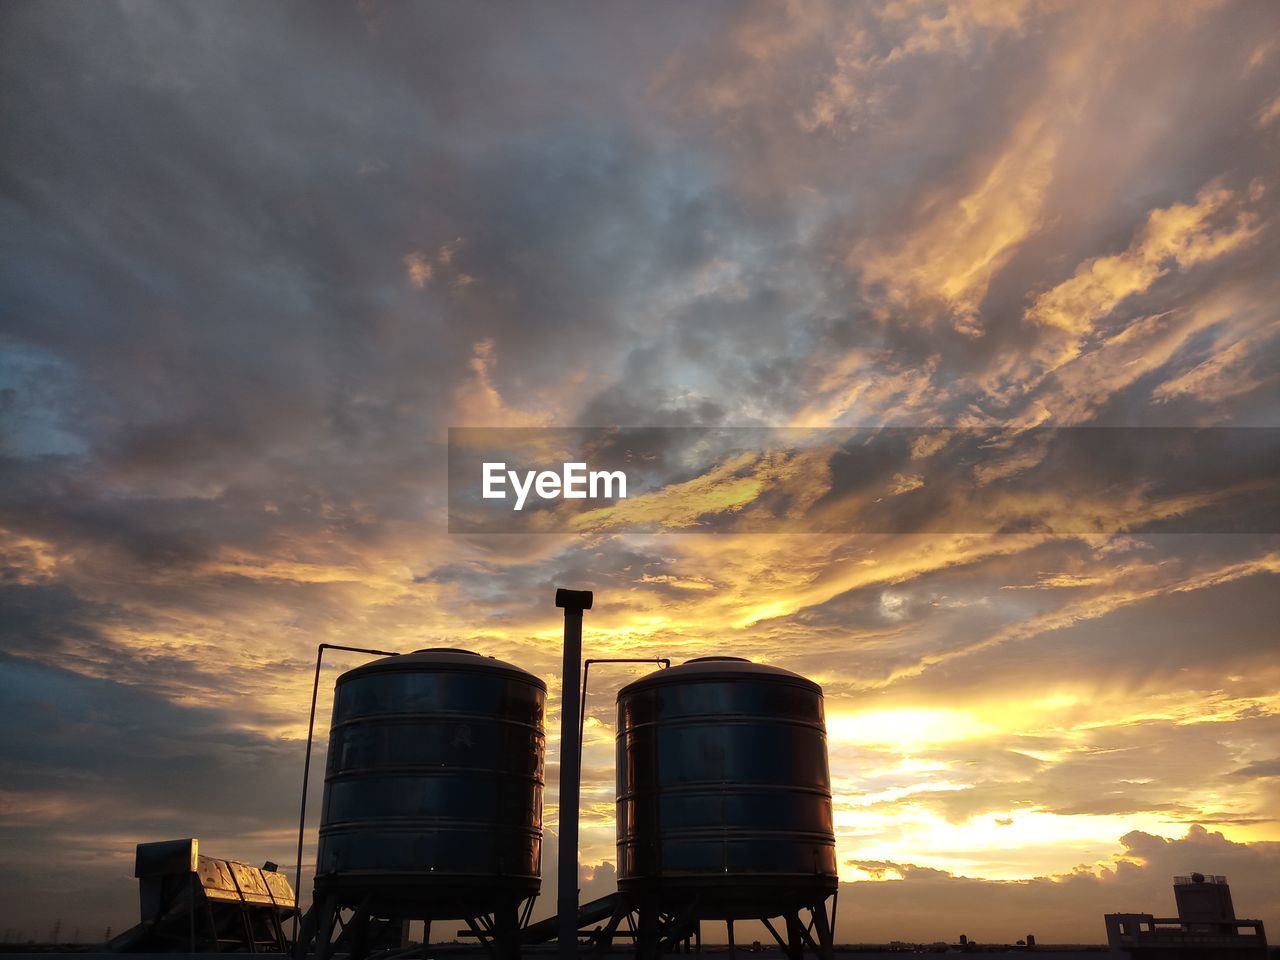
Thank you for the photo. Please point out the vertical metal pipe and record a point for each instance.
(306, 774)
(664, 662)
(573, 602)
(569, 788)
(191, 917)
(306, 777)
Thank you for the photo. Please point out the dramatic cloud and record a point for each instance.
(257, 261)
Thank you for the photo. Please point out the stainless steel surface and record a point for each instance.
(434, 782)
(205, 902)
(166, 856)
(723, 788)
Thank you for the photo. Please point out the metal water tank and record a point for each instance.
(433, 787)
(724, 792)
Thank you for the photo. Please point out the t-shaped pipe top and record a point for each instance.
(573, 599)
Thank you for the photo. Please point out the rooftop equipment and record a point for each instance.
(193, 902)
(573, 602)
(724, 804)
(432, 800)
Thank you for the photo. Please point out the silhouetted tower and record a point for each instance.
(1204, 903)
(1205, 928)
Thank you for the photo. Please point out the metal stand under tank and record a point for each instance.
(724, 806)
(432, 803)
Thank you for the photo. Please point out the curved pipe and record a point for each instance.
(306, 770)
(586, 670)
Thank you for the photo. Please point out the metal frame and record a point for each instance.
(586, 672)
(497, 931)
(306, 767)
(663, 929)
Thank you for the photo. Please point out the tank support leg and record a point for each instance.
(507, 929)
(677, 926)
(807, 933)
(604, 940)
(647, 932)
(481, 935)
(404, 933)
(357, 930)
(325, 918)
(825, 934)
(733, 952)
(306, 932)
(795, 936)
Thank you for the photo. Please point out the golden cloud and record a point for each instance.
(1180, 236)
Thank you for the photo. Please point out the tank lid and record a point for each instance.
(470, 653)
(718, 668)
(438, 659)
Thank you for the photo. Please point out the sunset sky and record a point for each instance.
(257, 259)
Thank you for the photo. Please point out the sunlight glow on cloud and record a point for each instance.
(253, 283)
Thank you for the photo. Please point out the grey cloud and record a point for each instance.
(113, 764)
(216, 357)
(1260, 769)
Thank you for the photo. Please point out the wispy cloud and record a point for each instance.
(260, 263)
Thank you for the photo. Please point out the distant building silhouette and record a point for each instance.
(1206, 927)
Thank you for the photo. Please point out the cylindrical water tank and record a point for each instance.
(724, 792)
(433, 788)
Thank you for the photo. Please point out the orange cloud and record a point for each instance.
(418, 268)
(1180, 236)
(478, 401)
(953, 257)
